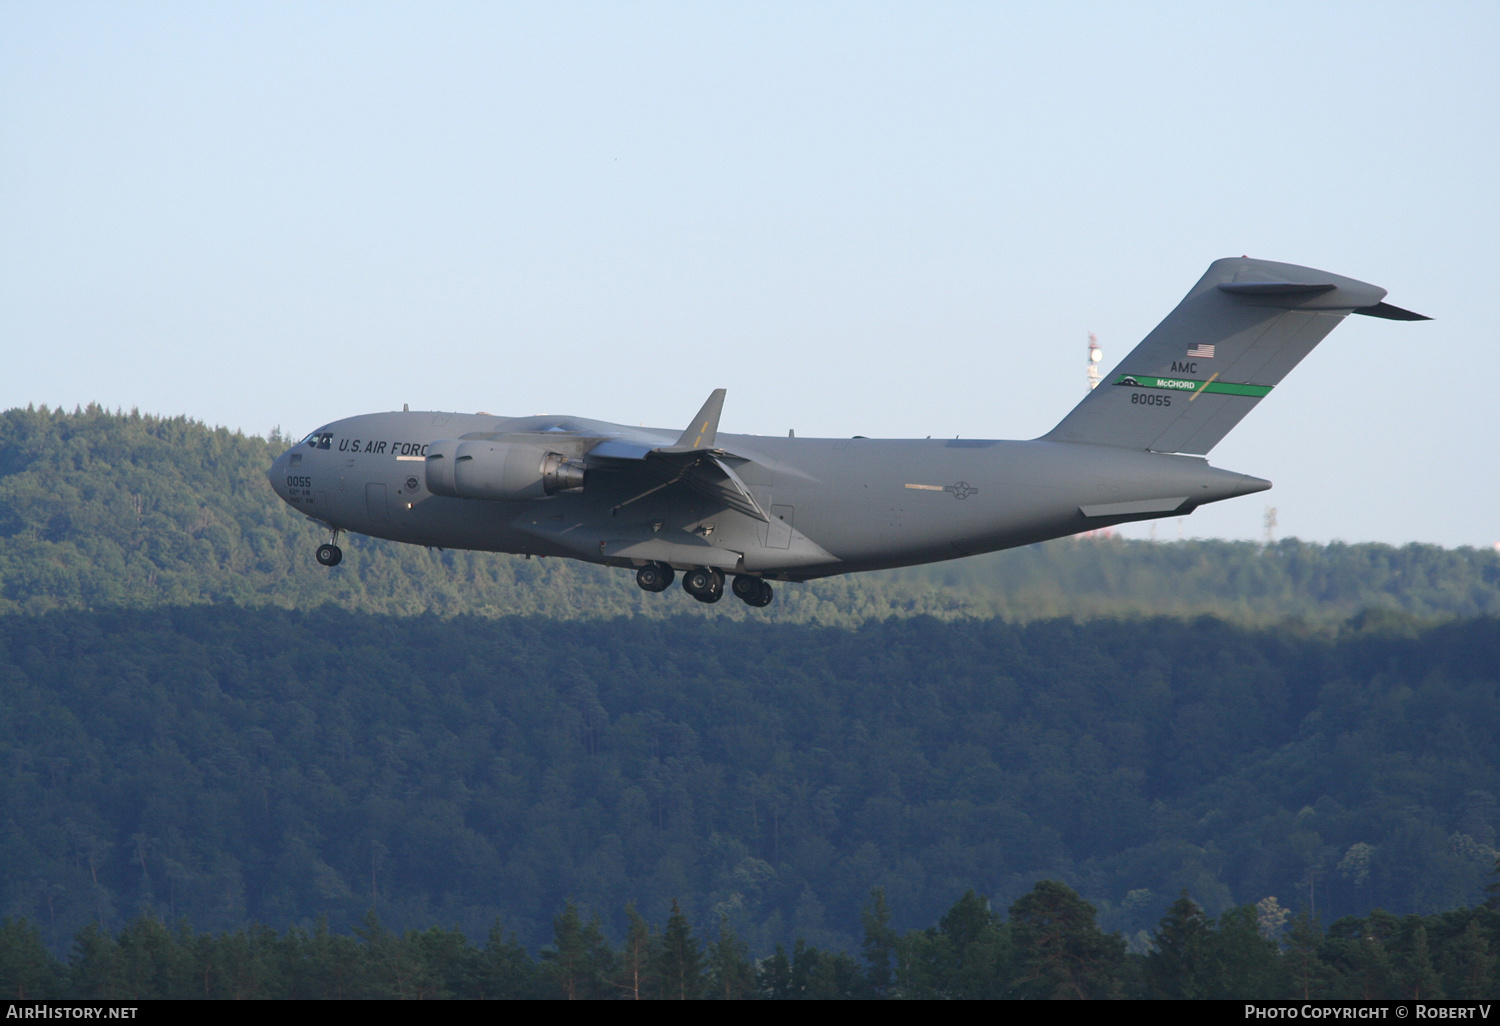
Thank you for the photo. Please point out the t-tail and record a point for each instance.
(1240, 330)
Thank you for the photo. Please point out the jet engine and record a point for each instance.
(505, 471)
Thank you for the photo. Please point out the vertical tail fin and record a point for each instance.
(1240, 330)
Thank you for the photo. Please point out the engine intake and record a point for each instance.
(503, 471)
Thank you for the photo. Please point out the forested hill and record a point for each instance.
(230, 765)
(197, 720)
(105, 509)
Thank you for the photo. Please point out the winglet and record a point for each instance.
(1391, 313)
(704, 430)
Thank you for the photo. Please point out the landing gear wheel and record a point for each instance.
(766, 595)
(704, 583)
(330, 555)
(753, 590)
(655, 577)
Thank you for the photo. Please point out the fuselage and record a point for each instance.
(710, 504)
(833, 505)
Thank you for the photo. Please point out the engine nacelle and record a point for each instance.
(505, 471)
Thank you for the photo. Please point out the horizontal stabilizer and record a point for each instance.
(1124, 509)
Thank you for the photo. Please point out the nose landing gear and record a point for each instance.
(330, 554)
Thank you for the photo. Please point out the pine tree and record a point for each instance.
(581, 960)
(638, 958)
(27, 970)
(966, 921)
(1249, 962)
(1420, 980)
(448, 965)
(1471, 967)
(1377, 975)
(731, 970)
(979, 949)
(924, 965)
(775, 976)
(825, 976)
(505, 969)
(335, 966)
(155, 964)
(1310, 975)
(880, 941)
(1061, 950)
(681, 964)
(95, 968)
(1182, 964)
(246, 970)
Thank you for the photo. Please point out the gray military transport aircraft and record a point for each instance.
(791, 509)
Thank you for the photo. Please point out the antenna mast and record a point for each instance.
(1095, 355)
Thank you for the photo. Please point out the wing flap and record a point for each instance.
(714, 478)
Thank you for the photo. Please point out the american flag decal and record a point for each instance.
(1202, 351)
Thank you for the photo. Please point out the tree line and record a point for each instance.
(1048, 946)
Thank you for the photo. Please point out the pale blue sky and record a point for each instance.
(877, 219)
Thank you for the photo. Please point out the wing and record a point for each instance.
(693, 460)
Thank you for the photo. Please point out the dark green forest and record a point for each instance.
(202, 728)
(278, 766)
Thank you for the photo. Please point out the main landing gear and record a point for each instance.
(755, 591)
(330, 554)
(705, 583)
(655, 577)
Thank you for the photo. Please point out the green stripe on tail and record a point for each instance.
(1192, 385)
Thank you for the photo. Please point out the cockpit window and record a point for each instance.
(318, 440)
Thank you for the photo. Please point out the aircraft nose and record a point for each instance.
(277, 475)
